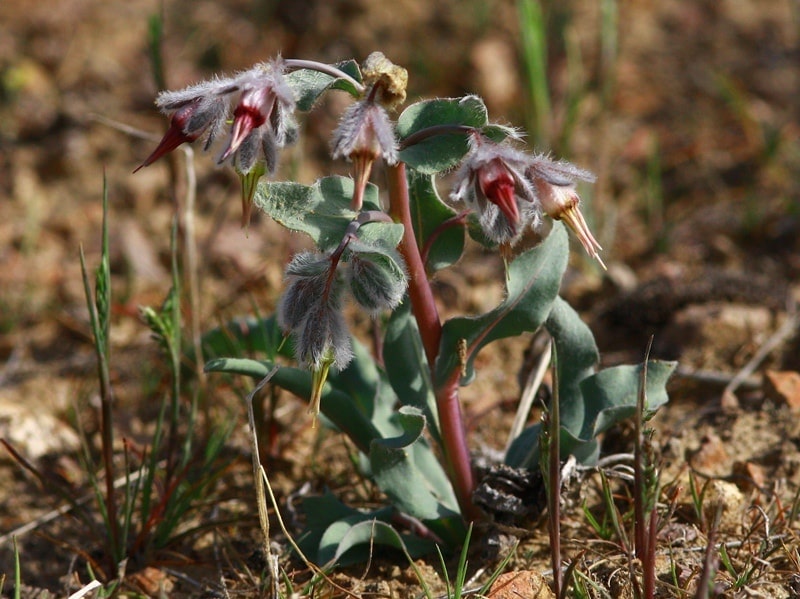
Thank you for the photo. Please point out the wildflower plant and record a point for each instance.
(380, 249)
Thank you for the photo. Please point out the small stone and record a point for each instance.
(523, 583)
(783, 387)
(712, 458)
(152, 581)
(726, 497)
(749, 477)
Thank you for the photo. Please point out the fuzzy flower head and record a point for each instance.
(196, 111)
(263, 121)
(311, 311)
(554, 185)
(364, 134)
(262, 118)
(491, 181)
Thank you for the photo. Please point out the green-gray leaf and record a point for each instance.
(439, 152)
(398, 475)
(337, 405)
(322, 210)
(407, 367)
(309, 85)
(607, 397)
(534, 278)
(428, 212)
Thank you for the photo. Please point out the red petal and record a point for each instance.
(498, 186)
(245, 119)
(174, 135)
(171, 140)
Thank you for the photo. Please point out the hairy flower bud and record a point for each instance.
(307, 277)
(554, 185)
(364, 134)
(311, 310)
(378, 281)
(323, 335)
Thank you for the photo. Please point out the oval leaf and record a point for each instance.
(428, 214)
(439, 152)
(397, 474)
(534, 278)
(322, 211)
(308, 85)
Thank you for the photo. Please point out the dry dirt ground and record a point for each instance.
(689, 116)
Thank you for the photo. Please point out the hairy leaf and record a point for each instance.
(309, 85)
(336, 533)
(428, 214)
(607, 397)
(322, 211)
(337, 405)
(398, 474)
(443, 151)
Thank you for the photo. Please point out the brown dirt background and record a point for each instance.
(697, 206)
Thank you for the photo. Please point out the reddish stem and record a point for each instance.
(456, 452)
(423, 307)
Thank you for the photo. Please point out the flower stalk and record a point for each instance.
(423, 307)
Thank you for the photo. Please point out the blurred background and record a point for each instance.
(688, 112)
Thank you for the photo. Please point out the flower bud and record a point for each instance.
(323, 335)
(554, 185)
(306, 278)
(311, 310)
(377, 281)
(364, 134)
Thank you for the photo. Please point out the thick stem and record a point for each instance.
(423, 307)
(454, 444)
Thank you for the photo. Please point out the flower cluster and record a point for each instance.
(511, 190)
(263, 120)
(310, 309)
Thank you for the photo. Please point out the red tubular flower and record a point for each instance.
(264, 111)
(491, 182)
(176, 134)
(197, 111)
(253, 110)
(498, 185)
